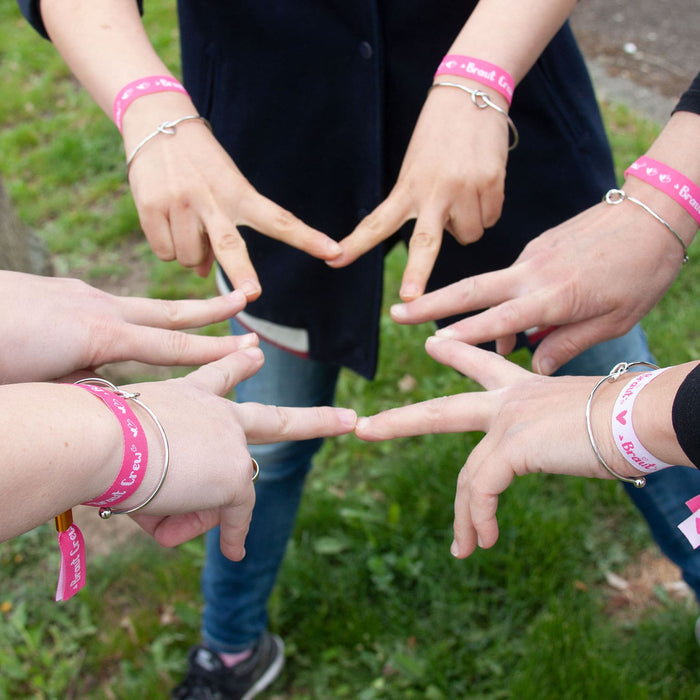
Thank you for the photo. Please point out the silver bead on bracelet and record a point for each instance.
(168, 128)
(615, 196)
(107, 512)
(482, 101)
(617, 371)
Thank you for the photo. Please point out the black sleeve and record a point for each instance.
(690, 99)
(686, 416)
(31, 9)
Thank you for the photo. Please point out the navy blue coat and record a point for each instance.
(316, 100)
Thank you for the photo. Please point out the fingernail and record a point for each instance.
(347, 417)
(247, 341)
(250, 288)
(409, 291)
(478, 541)
(454, 548)
(445, 333)
(237, 295)
(253, 353)
(398, 311)
(547, 365)
(362, 423)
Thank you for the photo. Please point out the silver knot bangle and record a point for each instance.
(168, 128)
(615, 196)
(617, 371)
(106, 512)
(482, 101)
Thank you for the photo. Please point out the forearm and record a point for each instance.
(511, 35)
(60, 448)
(106, 47)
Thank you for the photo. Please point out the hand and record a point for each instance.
(593, 277)
(452, 177)
(55, 326)
(209, 481)
(524, 417)
(191, 198)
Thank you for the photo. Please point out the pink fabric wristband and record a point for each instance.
(71, 543)
(482, 71)
(139, 88)
(135, 459)
(629, 445)
(670, 182)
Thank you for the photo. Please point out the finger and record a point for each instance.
(376, 227)
(269, 218)
(487, 368)
(235, 521)
(510, 317)
(173, 530)
(504, 346)
(446, 414)
(230, 250)
(191, 245)
(423, 249)
(469, 294)
(569, 341)
(220, 376)
(156, 228)
(187, 313)
(263, 424)
(204, 268)
(160, 347)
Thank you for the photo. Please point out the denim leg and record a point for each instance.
(236, 593)
(662, 500)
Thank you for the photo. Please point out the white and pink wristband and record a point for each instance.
(72, 573)
(676, 185)
(139, 88)
(625, 437)
(481, 71)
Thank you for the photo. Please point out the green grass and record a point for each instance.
(369, 601)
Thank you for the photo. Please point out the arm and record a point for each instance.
(189, 194)
(593, 276)
(54, 326)
(520, 413)
(64, 447)
(453, 173)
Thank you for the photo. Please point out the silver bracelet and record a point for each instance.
(615, 196)
(482, 101)
(168, 128)
(107, 512)
(617, 371)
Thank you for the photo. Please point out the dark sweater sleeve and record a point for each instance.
(31, 9)
(690, 99)
(686, 416)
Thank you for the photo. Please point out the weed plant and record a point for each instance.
(369, 601)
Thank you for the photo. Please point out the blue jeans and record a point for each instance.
(236, 593)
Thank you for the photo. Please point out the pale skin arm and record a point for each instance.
(54, 326)
(525, 417)
(189, 194)
(453, 173)
(593, 276)
(63, 447)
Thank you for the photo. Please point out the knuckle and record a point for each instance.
(422, 240)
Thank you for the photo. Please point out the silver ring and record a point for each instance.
(256, 469)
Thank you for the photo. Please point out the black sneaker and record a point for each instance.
(208, 679)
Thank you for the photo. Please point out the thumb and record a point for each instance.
(222, 375)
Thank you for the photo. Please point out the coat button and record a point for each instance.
(366, 50)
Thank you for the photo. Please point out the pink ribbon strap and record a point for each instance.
(139, 88)
(670, 182)
(71, 576)
(629, 445)
(135, 459)
(482, 71)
